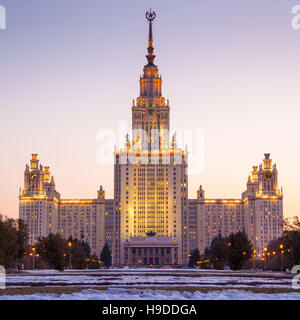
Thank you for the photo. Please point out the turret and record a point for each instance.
(101, 193)
(37, 180)
(47, 175)
(266, 177)
(34, 177)
(267, 162)
(255, 174)
(201, 193)
(174, 143)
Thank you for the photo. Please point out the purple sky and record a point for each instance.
(70, 68)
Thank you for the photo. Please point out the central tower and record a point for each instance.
(151, 179)
(150, 113)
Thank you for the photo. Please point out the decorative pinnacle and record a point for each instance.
(127, 143)
(150, 16)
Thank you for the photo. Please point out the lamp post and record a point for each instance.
(254, 252)
(265, 249)
(70, 246)
(281, 252)
(37, 264)
(33, 252)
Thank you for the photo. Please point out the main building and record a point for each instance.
(151, 220)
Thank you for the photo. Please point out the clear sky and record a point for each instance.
(70, 68)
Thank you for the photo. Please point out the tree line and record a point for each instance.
(71, 253)
(55, 252)
(13, 241)
(233, 251)
(52, 251)
(237, 252)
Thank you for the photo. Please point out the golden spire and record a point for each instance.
(127, 142)
(174, 144)
(150, 16)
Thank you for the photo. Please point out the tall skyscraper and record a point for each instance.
(150, 220)
(151, 178)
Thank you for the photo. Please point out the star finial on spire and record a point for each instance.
(150, 16)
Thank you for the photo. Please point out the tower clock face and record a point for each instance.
(33, 176)
(268, 175)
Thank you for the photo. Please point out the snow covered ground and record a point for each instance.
(152, 284)
(148, 294)
(149, 277)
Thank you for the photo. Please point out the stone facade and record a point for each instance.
(150, 220)
(44, 212)
(259, 212)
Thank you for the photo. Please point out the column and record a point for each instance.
(166, 258)
(159, 255)
(148, 255)
(129, 255)
(172, 255)
(143, 255)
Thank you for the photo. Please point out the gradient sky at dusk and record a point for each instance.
(70, 68)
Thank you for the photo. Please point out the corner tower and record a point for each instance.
(263, 205)
(38, 201)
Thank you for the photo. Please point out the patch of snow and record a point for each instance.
(136, 294)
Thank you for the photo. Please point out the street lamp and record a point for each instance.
(37, 255)
(254, 252)
(70, 246)
(33, 252)
(265, 249)
(65, 258)
(282, 252)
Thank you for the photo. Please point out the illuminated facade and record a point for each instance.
(259, 212)
(150, 179)
(151, 220)
(44, 212)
